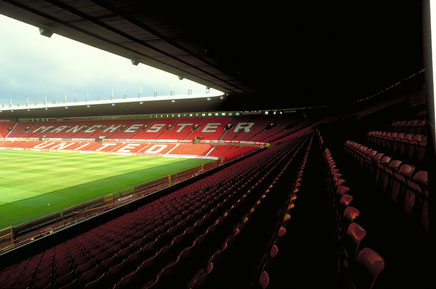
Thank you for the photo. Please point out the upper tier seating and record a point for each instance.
(181, 129)
(407, 185)
(211, 129)
(252, 128)
(415, 126)
(411, 147)
(246, 128)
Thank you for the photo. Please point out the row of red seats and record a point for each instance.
(176, 271)
(407, 185)
(267, 264)
(123, 147)
(277, 131)
(358, 267)
(213, 274)
(226, 152)
(145, 240)
(230, 152)
(406, 146)
(415, 126)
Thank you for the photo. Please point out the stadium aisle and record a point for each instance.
(309, 257)
(237, 265)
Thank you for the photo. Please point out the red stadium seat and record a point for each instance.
(416, 198)
(264, 280)
(64, 279)
(356, 233)
(351, 213)
(345, 200)
(95, 284)
(388, 174)
(373, 264)
(380, 169)
(403, 174)
(342, 190)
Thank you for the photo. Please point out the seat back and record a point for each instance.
(372, 262)
(356, 233)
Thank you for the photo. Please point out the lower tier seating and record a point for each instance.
(153, 245)
(294, 213)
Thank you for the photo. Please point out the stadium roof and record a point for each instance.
(293, 56)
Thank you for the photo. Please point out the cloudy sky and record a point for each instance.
(33, 66)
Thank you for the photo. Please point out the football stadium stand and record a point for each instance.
(221, 137)
(243, 221)
(326, 183)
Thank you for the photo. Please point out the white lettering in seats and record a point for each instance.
(246, 126)
(156, 127)
(211, 127)
(182, 126)
(75, 128)
(104, 145)
(156, 149)
(93, 128)
(61, 146)
(112, 128)
(127, 148)
(43, 128)
(59, 128)
(134, 127)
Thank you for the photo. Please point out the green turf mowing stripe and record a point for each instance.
(31, 180)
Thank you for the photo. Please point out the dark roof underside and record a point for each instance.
(298, 55)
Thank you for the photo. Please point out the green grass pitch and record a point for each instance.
(37, 183)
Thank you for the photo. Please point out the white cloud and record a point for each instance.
(32, 66)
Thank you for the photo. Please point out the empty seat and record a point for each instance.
(342, 190)
(395, 148)
(413, 146)
(367, 269)
(339, 182)
(356, 233)
(264, 279)
(421, 150)
(64, 280)
(88, 276)
(380, 168)
(388, 174)
(95, 284)
(401, 176)
(416, 198)
(403, 145)
(345, 200)
(376, 160)
(351, 213)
